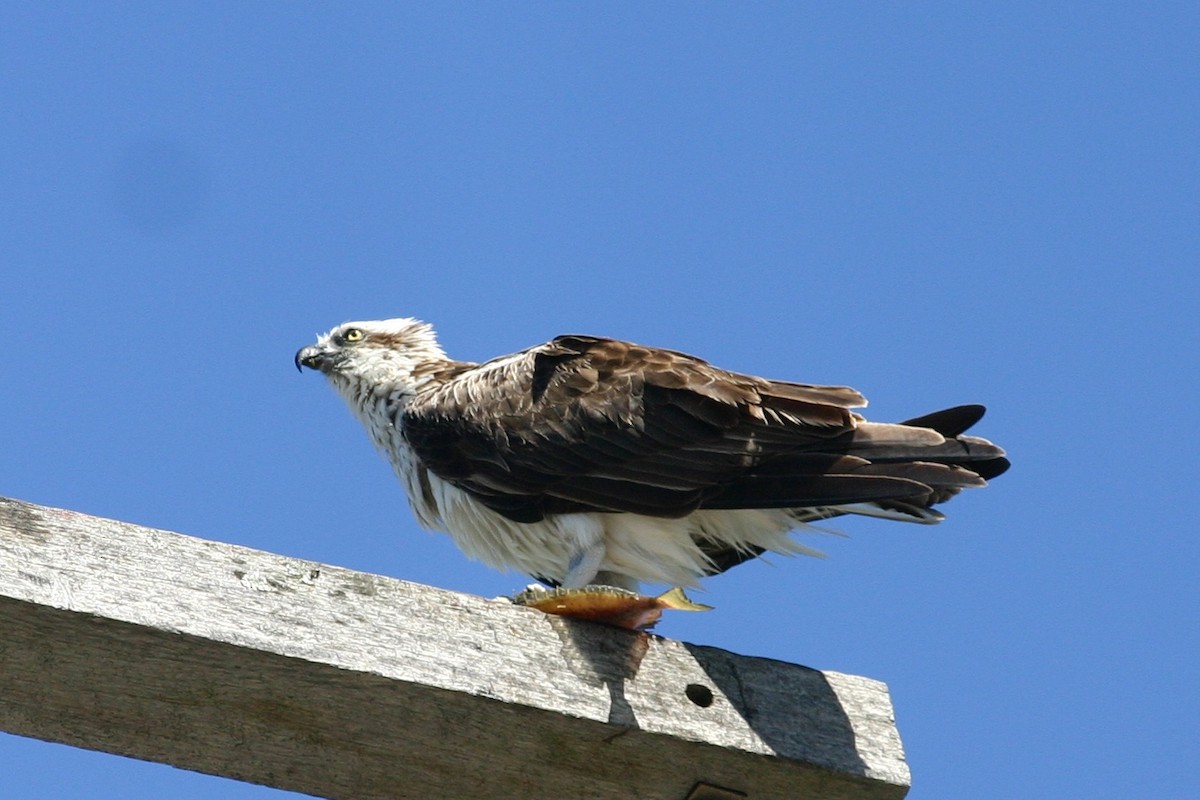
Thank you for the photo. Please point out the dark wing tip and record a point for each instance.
(991, 468)
(949, 422)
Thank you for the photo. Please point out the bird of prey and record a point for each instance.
(592, 461)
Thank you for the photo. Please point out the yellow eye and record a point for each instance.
(352, 335)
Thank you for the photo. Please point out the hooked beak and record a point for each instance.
(314, 357)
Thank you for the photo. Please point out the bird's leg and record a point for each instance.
(584, 571)
(583, 567)
(620, 581)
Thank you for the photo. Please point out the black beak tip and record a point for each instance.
(299, 360)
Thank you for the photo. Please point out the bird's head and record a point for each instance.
(381, 351)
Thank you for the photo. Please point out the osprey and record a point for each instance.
(595, 461)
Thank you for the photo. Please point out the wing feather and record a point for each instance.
(584, 423)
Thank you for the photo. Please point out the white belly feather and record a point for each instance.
(646, 549)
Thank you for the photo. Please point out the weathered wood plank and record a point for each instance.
(340, 684)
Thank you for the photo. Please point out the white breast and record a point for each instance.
(645, 549)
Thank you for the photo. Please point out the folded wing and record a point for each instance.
(591, 424)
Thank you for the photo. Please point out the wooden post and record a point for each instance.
(341, 684)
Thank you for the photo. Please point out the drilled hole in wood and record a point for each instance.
(699, 694)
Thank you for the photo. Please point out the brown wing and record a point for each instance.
(584, 423)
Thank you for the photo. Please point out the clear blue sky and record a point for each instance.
(932, 203)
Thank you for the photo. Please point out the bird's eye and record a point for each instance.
(352, 335)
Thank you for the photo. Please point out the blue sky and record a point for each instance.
(933, 203)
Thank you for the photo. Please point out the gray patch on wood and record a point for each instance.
(313, 678)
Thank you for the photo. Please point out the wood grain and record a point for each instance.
(340, 684)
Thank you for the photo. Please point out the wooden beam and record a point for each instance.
(341, 684)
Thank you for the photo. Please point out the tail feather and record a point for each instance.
(887, 509)
(949, 421)
(894, 471)
(889, 442)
